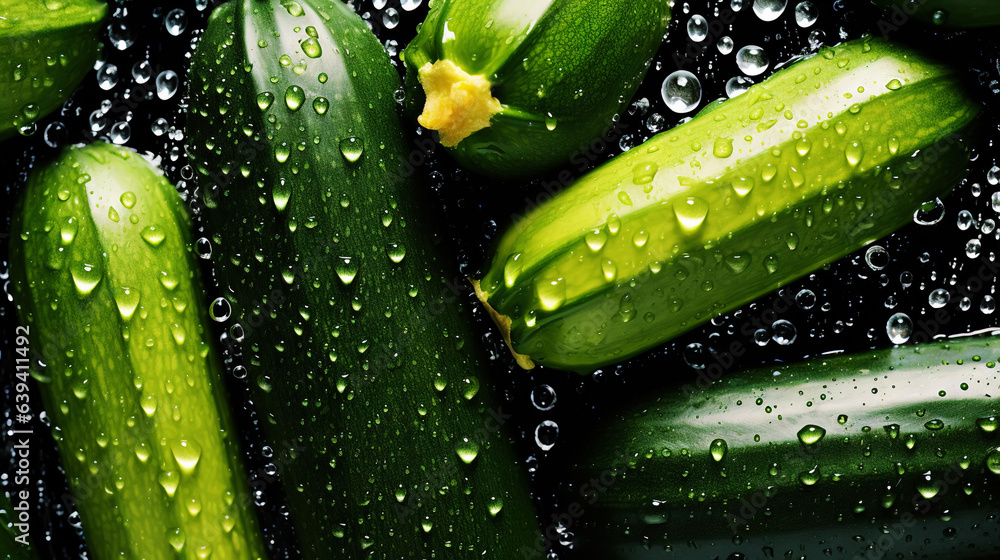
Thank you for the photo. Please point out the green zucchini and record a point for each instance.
(817, 161)
(887, 454)
(515, 87)
(104, 278)
(352, 336)
(946, 13)
(46, 48)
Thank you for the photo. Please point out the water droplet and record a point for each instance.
(512, 269)
(938, 298)
(929, 213)
(85, 276)
(467, 450)
(877, 257)
(186, 453)
(495, 505)
(546, 434)
(690, 212)
(899, 328)
(280, 194)
(346, 269)
(352, 148)
(681, 91)
(934, 425)
(725, 44)
(723, 147)
(806, 14)
(543, 397)
(697, 28)
(769, 10)
(810, 477)
(551, 293)
(320, 105)
(810, 434)
(175, 21)
(927, 486)
(120, 132)
(167, 83)
(854, 152)
(596, 238)
(972, 248)
(176, 538)
(127, 300)
(390, 18)
(643, 173)
(742, 185)
(784, 332)
(152, 235)
(294, 97)
(993, 461)
(311, 47)
(752, 60)
(610, 270)
(737, 85)
(396, 252)
(264, 100)
(142, 71)
(987, 424)
(169, 480)
(107, 76)
(718, 449)
(220, 310)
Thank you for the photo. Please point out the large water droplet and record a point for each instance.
(294, 97)
(175, 21)
(899, 328)
(467, 450)
(810, 434)
(718, 449)
(167, 83)
(681, 91)
(352, 148)
(697, 28)
(806, 14)
(690, 212)
(551, 293)
(127, 300)
(186, 453)
(347, 269)
(86, 276)
(752, 60)
(769, 10)
(546, 434)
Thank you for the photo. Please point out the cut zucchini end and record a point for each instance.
(457, 104)
(502, 322)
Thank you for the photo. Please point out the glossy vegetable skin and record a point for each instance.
(886, 454)
(46, 48)
(819, 160)
(356, 348)
(104, 278)
(943, 13)
(515, 87)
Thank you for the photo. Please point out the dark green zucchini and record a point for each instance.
(515, 87)
(945, 13)
(46, 48)
(104, 278)
(822, 158)
(887, 454)
(353, 340)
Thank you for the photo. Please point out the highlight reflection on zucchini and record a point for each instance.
(819, 160)
(886, 454)
(514, 87)
(104, 277)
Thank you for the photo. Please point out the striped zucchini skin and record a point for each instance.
(888, 454)
(560, 68)
(105, 280)
(946, 13)
(46, 52)
(355, 347)
(819, 160)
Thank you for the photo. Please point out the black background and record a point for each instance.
(853, 300)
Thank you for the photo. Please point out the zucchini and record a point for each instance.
(887, 454)
(515, 87)
(817, 161)
(46, 48)
(946, 13)
(104, 278)
(353, 340)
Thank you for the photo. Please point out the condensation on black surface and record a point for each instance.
(845, 306)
